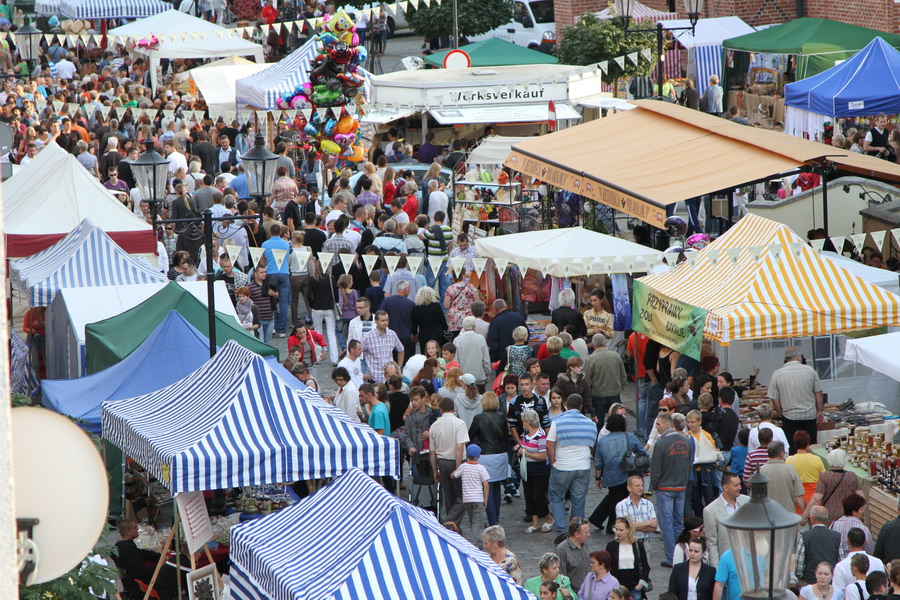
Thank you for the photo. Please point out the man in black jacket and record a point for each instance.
(140, 564)
(206, 152)
(500, 332)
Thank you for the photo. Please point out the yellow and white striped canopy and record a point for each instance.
(760, 280)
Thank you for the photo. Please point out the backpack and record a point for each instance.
(438, 232)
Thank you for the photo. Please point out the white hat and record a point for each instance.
(468, 379)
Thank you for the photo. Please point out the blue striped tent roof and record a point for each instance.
(262, 89)
(111, 9)
(385, 548)
(85, 257)
(233, 422)
(47, 7)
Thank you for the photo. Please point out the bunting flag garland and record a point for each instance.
(776, 250)
(233, 251)
(57, 106)
(712, 255)
(755, 252)
(303, 255)
(838, 243)
(256, 255)
(733, 254)
(325, 259)
(818, 245)
(369, 261)
(279, 254)
(346, 260)
(501, 264)
(479, 264)
(435, 263)
(415, 262)
(896, 233)
(859, 240)
(878, 238)
(457, 263)
(691, 258)
(544, 265)
(796, 248)
(391, 262)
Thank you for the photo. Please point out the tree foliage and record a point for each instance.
(475, 17)
(595, 40)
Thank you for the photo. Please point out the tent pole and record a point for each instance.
(825, 171)
(177, 548)
(730, 209)
(210, 280)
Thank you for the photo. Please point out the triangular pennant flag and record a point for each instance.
(479, 264)
(104, 110)
(347, 260)
(796, 248)
(620, 60)
(501, 264)
(98, 39)
(457, 263)
(776, 251)
(859, 240)
(391, 262)
(595, 266)
(878, 238)
(646, 53)
(233, 251)
(633, 57)
(256, 254)
(733, 254)
(325, 259)
(57, 106)
(629, 264)
(73, 108)
(303, 255)
(838, 243)
(169, 114)
(307, 113)
(755, 252)
(279, 255)
(85, 38)
(369, 260)
(415, 262)
(817, 245)
(48, 37)
(894, 232)
(565, 264)
(435, 263)
(322, 112)
(603, 66)
(691, 258)
(414, 3)
(650, 261)
(713, 256)
(544, 265)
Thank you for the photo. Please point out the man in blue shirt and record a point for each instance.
(239, 184)
(728, 586)
(279, 273)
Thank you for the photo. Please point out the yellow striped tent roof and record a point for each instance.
(790, 291)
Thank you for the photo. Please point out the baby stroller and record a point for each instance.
(424, 491)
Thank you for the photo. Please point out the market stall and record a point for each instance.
(173, 351)
(52, 195)
(495, 52)
(86, 257)
(180, 35)
(233, 422)
(216, 81)
(111, 340)
(73, 308)
(864, 85)
(111, 9)
(261, 90)
(281, 557)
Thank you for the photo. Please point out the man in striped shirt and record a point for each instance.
(759, 456)
(638, 509)
(437, 243)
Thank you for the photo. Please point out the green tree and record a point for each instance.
(475, 17)
(595, 40)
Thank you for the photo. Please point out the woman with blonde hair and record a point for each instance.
(428, 320)
(490, 431)
(629, 558)
(519, 352)
(549, 331)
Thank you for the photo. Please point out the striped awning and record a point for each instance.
(86, 257)
(384, 548)
(233, 423)
(760, 280)
(47, 7)
(264, 88)
(111, 9)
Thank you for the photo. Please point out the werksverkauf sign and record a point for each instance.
(670, 322)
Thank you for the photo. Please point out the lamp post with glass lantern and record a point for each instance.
(625, 10)
(151, 173)
(763, 536)
(260, 168)
(29, 42)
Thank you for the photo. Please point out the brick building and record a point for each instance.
(877, 14)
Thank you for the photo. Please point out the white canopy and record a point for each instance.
(201, 39)
(878, 352)
(51, 195)
(216, 80)
(709, 32)
(614, 255)
(493, 150)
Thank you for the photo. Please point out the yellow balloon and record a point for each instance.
(329, 147)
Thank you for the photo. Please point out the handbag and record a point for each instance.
(632, 462)
(638, 544)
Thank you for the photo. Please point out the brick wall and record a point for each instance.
(877, 14)
(566, 11)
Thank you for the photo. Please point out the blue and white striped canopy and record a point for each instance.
(352, 539)
(47, 7)
(112, 9)
(85, 257)
(262, 89)
(233, 422)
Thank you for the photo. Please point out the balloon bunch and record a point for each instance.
(338, 135)
(336, 75)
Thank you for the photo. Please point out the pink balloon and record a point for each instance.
(355, 40)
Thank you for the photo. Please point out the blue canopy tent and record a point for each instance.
(111, 9)
(390, 550)
(85, 257)
(865, 84)
(172, 352)
(233, 422)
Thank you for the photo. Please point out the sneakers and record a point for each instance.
(560, 538)
(281, 335)
(518, 492)
(507, 498)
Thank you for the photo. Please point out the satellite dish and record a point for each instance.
(61, 493)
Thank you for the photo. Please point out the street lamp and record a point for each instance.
(625, 12)
(151, 172)
(763, 535)
(29, 42)
(259, 166)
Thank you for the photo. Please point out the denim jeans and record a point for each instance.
(266, 329)
(443, 278)
(670, 509)
(494, 499)
(576, 484)
(643, 425)
(601, 406)
(323, 322)
(283, 283)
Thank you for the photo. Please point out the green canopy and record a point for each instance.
(108, 342)
(495, 52)
(818, 43)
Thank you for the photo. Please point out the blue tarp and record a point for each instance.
(173, 351)
(865, 84)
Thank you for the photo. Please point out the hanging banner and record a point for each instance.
(369, 260)
(414, 263)
(346, 260)
(501, 264)
(621, 303)
(303, 255)
(391, 262)
(435, 263)
(670, 322)
(256, 254)
(233, 251)
(479, 264)
(457, 263)
(325, 259)
(279, 254)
